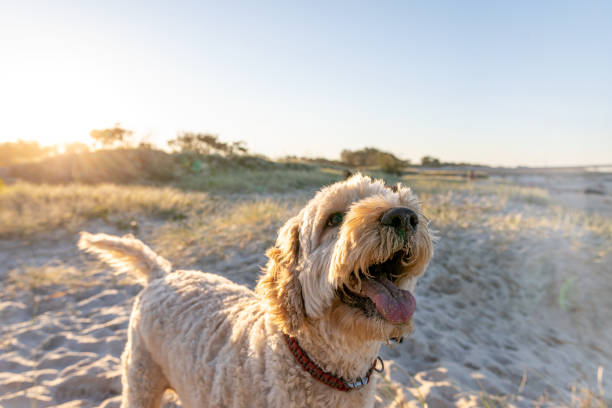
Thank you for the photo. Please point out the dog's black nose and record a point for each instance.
(400, 218)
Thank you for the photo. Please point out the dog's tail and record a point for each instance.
(126, 254)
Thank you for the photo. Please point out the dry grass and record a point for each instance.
(248, 225)
(27, 209)
(102, 166)
(503, 207)
(47, 282)
(584, 397)
(34, 277)
(389, 394)
(257, 181)
(587, 398)
(502, 190)
(213, 173)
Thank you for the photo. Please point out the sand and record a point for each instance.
(506, 315)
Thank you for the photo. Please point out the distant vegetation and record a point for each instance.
(111, 137)
(21, 152)
(429, 161)
(100, 166)
(204, 144)
(76, 148)
(372, 157)
(312, 160)
(197, 161)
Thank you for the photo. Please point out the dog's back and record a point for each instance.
(200, 329)
(190, 331)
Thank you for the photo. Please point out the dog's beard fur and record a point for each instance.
(324, 266)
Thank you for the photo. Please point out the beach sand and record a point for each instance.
(514, 310)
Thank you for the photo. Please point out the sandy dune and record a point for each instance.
(512, 312)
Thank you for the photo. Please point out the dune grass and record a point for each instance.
(248, 225)
(503, 207)
(28, 209)
(101, 166)
(213, 173)
(256, 181)
(476, 188)
(55, 273)
(46, 282)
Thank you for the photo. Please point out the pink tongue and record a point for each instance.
(395, 305)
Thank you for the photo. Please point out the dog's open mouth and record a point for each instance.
(379, 294)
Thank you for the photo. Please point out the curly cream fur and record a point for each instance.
(126, 254)
(218, 344)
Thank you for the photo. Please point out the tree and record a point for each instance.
(111, 136)
(22, 151)
(370, 156)
(429, 161)
(205, 143)
(238, 147)
(145, 142)
(188, 142)
(390, 164)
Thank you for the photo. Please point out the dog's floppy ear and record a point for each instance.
(280, 285)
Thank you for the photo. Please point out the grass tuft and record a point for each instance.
(28, 209)
(31, 278)
(248, 225)
(256, 181)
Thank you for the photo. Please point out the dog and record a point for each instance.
(337, 285)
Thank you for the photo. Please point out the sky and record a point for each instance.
(491, 82)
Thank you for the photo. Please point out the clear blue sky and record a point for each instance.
(510, 83)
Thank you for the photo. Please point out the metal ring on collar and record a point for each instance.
(382, 365)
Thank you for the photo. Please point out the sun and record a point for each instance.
(49, 113)
(58, 102)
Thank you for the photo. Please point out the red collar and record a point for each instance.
(326, 378)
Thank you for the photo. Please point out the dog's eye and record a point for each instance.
(335, 219)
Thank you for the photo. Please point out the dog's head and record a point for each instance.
(350, 260)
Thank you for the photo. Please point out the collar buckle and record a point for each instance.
(382, 365)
